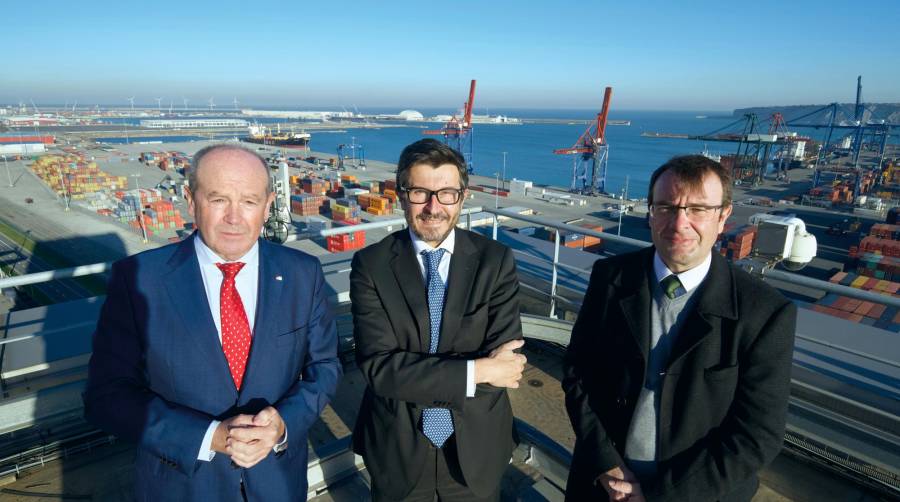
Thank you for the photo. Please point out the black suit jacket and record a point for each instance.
(724, 396)
(391, 329)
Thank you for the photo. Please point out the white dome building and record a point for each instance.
(411, 116)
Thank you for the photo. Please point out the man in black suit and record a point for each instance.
(677, 375)
(436, 321)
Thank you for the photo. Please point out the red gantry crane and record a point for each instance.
(591, 148)
(458, 132)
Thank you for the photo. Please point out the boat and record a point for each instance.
(265, 136)
(619, 123)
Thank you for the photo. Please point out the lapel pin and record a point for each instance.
(278, 277)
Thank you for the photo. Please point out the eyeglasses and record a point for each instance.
(446, 196)
(693, 213)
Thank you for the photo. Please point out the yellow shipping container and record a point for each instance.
(859, 281)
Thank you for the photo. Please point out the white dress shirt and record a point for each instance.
(690, 279)
(247, 282)
(444, 271)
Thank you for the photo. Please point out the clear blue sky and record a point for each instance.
(678, 55)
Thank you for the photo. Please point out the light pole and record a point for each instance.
(504, 170)
(8, 176)
(622, 206)
(497, 191)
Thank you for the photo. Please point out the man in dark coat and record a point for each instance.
(677, 375)
(436, 321)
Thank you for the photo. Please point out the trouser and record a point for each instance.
(441, 479)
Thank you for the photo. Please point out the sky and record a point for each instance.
(657, 55)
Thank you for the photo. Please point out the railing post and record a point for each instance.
(496, 218)
(555, 273)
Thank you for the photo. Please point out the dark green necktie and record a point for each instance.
(670, 285)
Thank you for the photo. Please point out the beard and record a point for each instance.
(431, 233)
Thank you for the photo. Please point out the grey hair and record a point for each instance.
(193, 182)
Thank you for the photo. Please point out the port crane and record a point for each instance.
(355, 158)
(458, 132)
(755, 147)
(591, 150)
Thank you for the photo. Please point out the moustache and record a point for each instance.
(432, 217)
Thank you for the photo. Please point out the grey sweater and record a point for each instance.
(666, 319)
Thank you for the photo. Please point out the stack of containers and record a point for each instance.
(737, 244)
(349, 180)
(74, 176)
(874, 265)
(161, 215)
(146, 208)
(873, 244)
(591, 243)
(389, 190)
(375, 204)
(346, 211)
(869, 313)
(346, 242)
(842, 193)
(354, 192)
(314, 186)
(307, 204)
(373, 186)
(885, 231)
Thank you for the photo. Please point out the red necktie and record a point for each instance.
(235, 328)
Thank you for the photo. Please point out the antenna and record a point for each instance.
(131, 100)
(159, 104)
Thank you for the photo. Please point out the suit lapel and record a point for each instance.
(459, 286)
(408, 275)
(268, 303)
(184, 284)
(635, 301)
(716, 302)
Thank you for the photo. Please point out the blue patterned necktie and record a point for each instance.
(437, 423)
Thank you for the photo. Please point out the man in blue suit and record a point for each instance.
(216, 354)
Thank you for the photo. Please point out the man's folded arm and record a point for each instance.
(417, 377)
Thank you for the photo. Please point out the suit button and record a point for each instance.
(621, 401)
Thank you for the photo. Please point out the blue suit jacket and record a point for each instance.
(158, 375)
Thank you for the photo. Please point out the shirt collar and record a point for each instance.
(208, 257)
(689, 279)
(419, 245)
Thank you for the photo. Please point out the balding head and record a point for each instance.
(193, 179)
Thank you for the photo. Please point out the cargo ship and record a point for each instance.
(265, 136)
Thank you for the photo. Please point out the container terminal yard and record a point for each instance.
(73, 201)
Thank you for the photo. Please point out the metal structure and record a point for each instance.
(591, 150)
(278, 224)
(862, 132)
(351, 155)
(458, 132)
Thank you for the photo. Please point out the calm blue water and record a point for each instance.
(530, 147)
